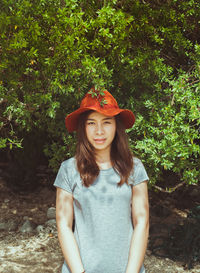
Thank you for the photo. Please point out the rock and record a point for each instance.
(3, 226)
(44, 260)
(51, 227)
(194, 193)
(51, 223)
(51, 213)
(14, 211)
(27, 227)
(4, 206)
(40, 229)
(12, 225)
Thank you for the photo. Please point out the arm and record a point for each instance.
(64, 219)
(140, 216)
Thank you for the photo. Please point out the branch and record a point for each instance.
(170, 190)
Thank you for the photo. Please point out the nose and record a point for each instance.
(99, 129)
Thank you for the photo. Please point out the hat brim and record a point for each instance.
(127, 116)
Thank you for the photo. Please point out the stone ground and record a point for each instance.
(40, 253)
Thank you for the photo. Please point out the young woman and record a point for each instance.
(104, 188)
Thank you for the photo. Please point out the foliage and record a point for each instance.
(52, 52)
(169, 130)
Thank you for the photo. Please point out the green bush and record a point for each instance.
(167, 132)
(53, 52)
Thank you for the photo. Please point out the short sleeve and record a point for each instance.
(139, 174)
(62, 180)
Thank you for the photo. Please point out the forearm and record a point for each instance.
(138, 247)
(70, 249)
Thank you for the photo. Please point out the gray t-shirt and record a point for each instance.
(103, 222)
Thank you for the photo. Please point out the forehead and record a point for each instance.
(97, 115)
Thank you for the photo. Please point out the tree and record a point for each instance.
(145, 52)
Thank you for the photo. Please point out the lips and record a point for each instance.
(99, 140)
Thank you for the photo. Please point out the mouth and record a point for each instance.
(99, 140)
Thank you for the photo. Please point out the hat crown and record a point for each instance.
(102, 102)
(95, 101)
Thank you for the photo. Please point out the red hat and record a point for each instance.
(104, 104)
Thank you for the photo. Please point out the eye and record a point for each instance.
(90, 123)
(107, 122)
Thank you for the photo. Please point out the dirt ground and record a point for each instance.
(40, 253)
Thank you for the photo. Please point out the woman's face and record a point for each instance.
(100, 131)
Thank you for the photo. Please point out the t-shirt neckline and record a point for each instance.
(106, 171)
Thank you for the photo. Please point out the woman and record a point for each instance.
(104, 188)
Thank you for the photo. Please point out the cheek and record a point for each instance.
(88, 132)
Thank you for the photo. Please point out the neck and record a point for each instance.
(103, 160)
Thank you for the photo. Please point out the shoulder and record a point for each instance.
(136, 161)
(67, 175)
(69, 164)
(139, 173)
(137, 165)
(69, 168)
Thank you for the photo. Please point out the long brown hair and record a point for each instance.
(121, 157)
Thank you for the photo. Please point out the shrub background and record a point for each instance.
(146, 53)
